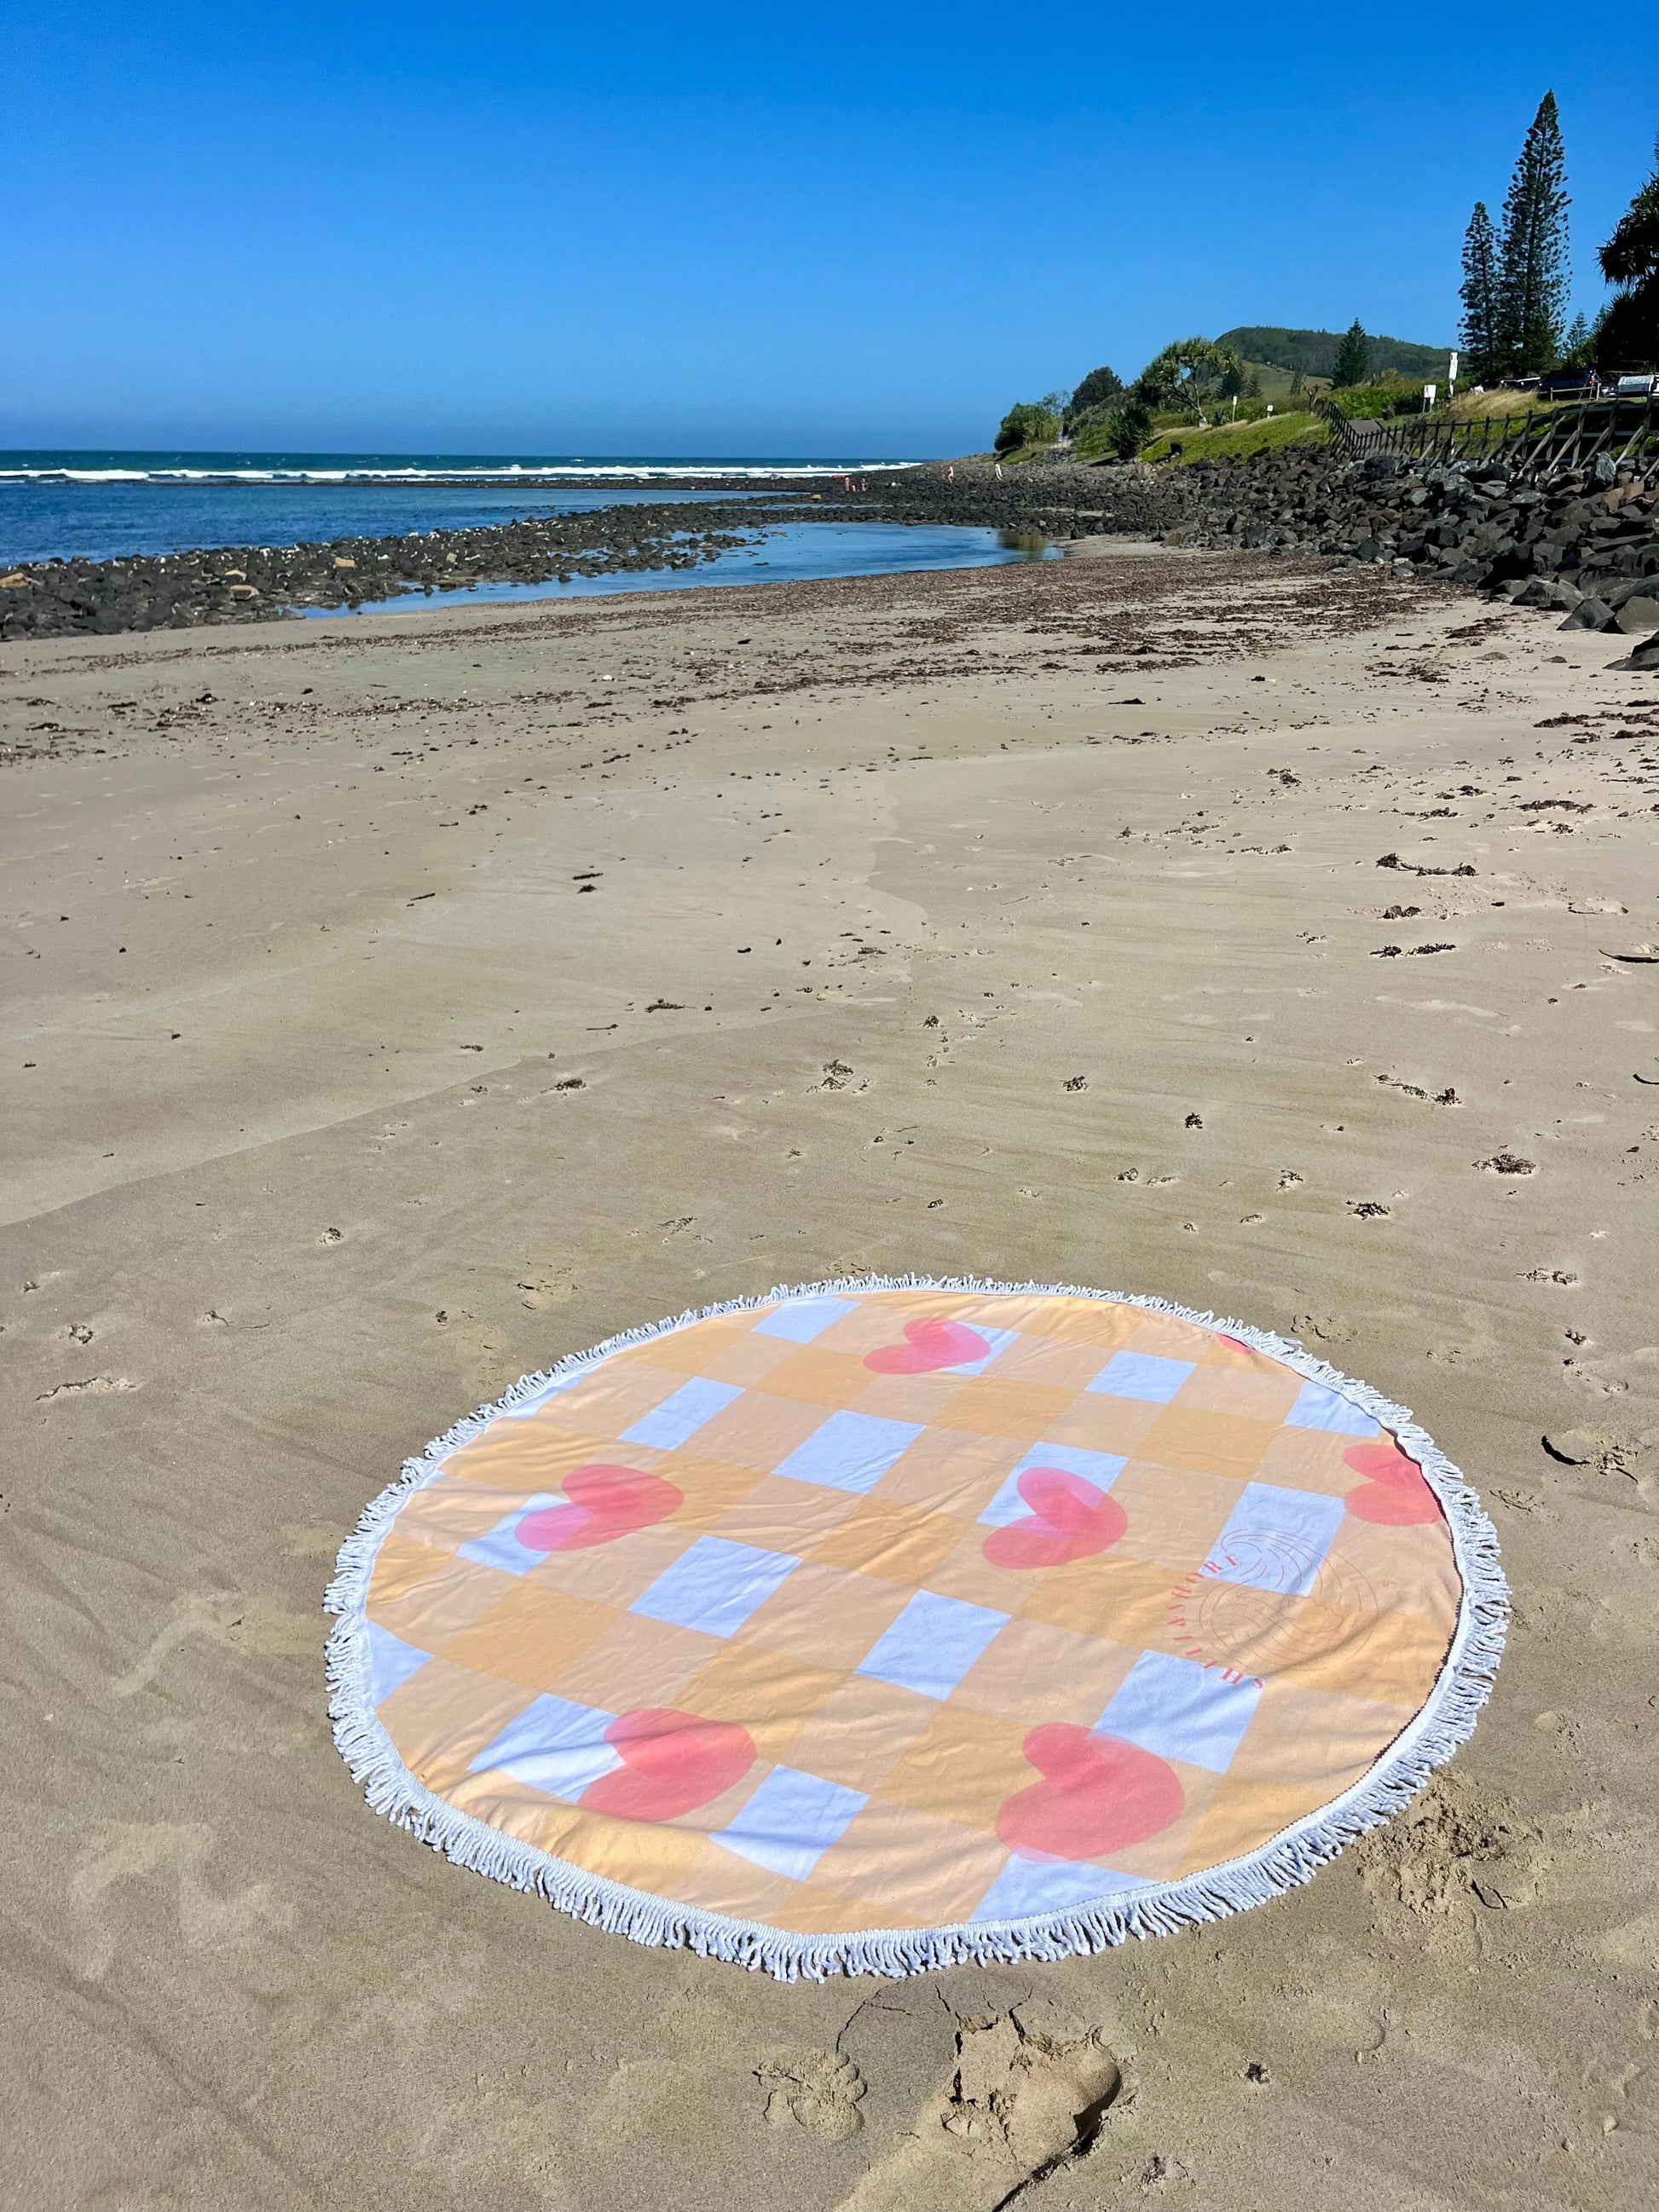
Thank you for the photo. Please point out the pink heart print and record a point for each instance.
(604, 1503)
(1097, 1795)
(1394, 1494)
(1070, 1520)
(672, 1762)
(929, 1345)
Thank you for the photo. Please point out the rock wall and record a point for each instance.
(1585, 541)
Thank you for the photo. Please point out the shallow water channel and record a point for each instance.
(787, 552)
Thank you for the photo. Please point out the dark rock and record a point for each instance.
(1589, 614)
(1546, 592)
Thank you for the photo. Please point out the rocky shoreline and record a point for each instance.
(229, 584)
(1584, 541)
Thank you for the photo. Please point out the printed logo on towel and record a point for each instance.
(602, 1504)
(1394, 1494)
(1242, 1612)
(1097, 1795)
(670, 1763)
(1070, 1519)
(929, 1345)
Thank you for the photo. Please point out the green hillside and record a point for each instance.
(1314, 352)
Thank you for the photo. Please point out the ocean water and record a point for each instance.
(84, 465)
(789, 552)
(102, 506)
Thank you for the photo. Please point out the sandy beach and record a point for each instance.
(394, 1003)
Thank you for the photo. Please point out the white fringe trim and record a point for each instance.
(1292, 1857)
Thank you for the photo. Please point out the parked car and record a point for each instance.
(1570, 384)
(1643, 386)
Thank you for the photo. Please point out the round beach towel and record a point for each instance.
(874, 1626)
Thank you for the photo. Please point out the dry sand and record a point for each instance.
(446, 992)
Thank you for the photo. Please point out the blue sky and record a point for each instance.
(731, 228)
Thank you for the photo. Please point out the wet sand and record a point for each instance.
(395, 1004)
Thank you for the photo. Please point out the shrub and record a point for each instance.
(1129, 427)
(1091, 421)
(1027, 423)
(1095, 395)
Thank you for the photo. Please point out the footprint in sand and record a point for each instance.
(1028, 2092)
(1330, 1329)
(1459, 1848)
(816, 2090)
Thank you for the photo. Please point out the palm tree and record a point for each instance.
(1628, 337)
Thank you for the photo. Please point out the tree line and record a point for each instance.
(1192, 373)
(1517, 274)
(1513, 294)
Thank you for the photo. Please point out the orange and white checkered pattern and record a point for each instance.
(907, 1608)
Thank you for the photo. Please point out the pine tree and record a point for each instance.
(1477, 334)
(1532, 260)
(1353, 357)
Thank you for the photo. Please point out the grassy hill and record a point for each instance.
(1314, 352)
(1236, 442)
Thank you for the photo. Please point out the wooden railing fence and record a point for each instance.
(1537, 443)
